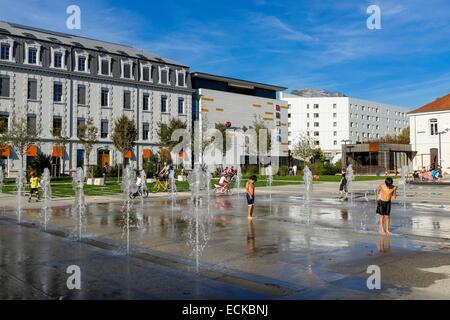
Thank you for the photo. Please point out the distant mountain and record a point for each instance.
(307, 92)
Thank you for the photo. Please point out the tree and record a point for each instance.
(303, 148)
(318, 155)
(88, 136)
(21, 136)
(61, 141)
(124, 136)
(40, 162)
(165, 132)
(222, 127)
(259, 125)
(404, 136)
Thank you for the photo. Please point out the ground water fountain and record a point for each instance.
(308, 181)
(199, 220)
(79, 205)
(238, 180)
(46, 210)
(269, 177)
(20, 183)
(349, 177)
(127, 206)
(142, 192)
(402, 183)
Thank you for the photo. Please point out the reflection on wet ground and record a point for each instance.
(301, 248)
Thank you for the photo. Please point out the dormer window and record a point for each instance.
(57, 62)
(58, 57)
(81, 62)
(104, 66)
(164, 76)
(146, 72)
(5, 51)
(181, 78)
(32, 55)
(127, 69)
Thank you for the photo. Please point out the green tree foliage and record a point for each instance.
(88, 136)
(303, 148)
(21, 136)
(165, 132)
(125, 135)
(39, 163)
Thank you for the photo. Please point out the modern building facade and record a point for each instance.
(241, 103)
(336, 119)
(430, 134)
(58, 81)
(377, 158)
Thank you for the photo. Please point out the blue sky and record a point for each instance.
(314, 44)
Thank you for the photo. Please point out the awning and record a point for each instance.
(128, 154)
(5, 151)
(32, 150)
(58, 151)
(146, 153)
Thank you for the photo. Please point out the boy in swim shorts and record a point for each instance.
(250, 188)
(386, 192)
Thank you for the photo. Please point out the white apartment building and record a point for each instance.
(241, 103)
(334, 120)
(430, 134)
(59, 81)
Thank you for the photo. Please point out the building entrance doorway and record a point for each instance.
(104, 158)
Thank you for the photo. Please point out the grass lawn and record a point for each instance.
(63, 188)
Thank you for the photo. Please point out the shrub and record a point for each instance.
(326, 169)
(39, 163)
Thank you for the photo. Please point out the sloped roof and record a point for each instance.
(9, 28)
(440, 104)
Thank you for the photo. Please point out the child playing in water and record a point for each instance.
(34, 186)
(343, 186)
(250, 188)
(386, 192)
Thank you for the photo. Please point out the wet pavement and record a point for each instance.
(289, 251)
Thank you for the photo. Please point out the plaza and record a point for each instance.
(250, 151)
(291, 250)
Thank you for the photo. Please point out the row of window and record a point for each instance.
(371, 126)
(82, 64)
(376, 110)
(57, 126)
(373, 118)
(81, 95)
(316, 124)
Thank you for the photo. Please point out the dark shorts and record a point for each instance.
(250, 201)
(384, 207)
(343, 187)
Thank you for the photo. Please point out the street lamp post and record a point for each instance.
(345, 148)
